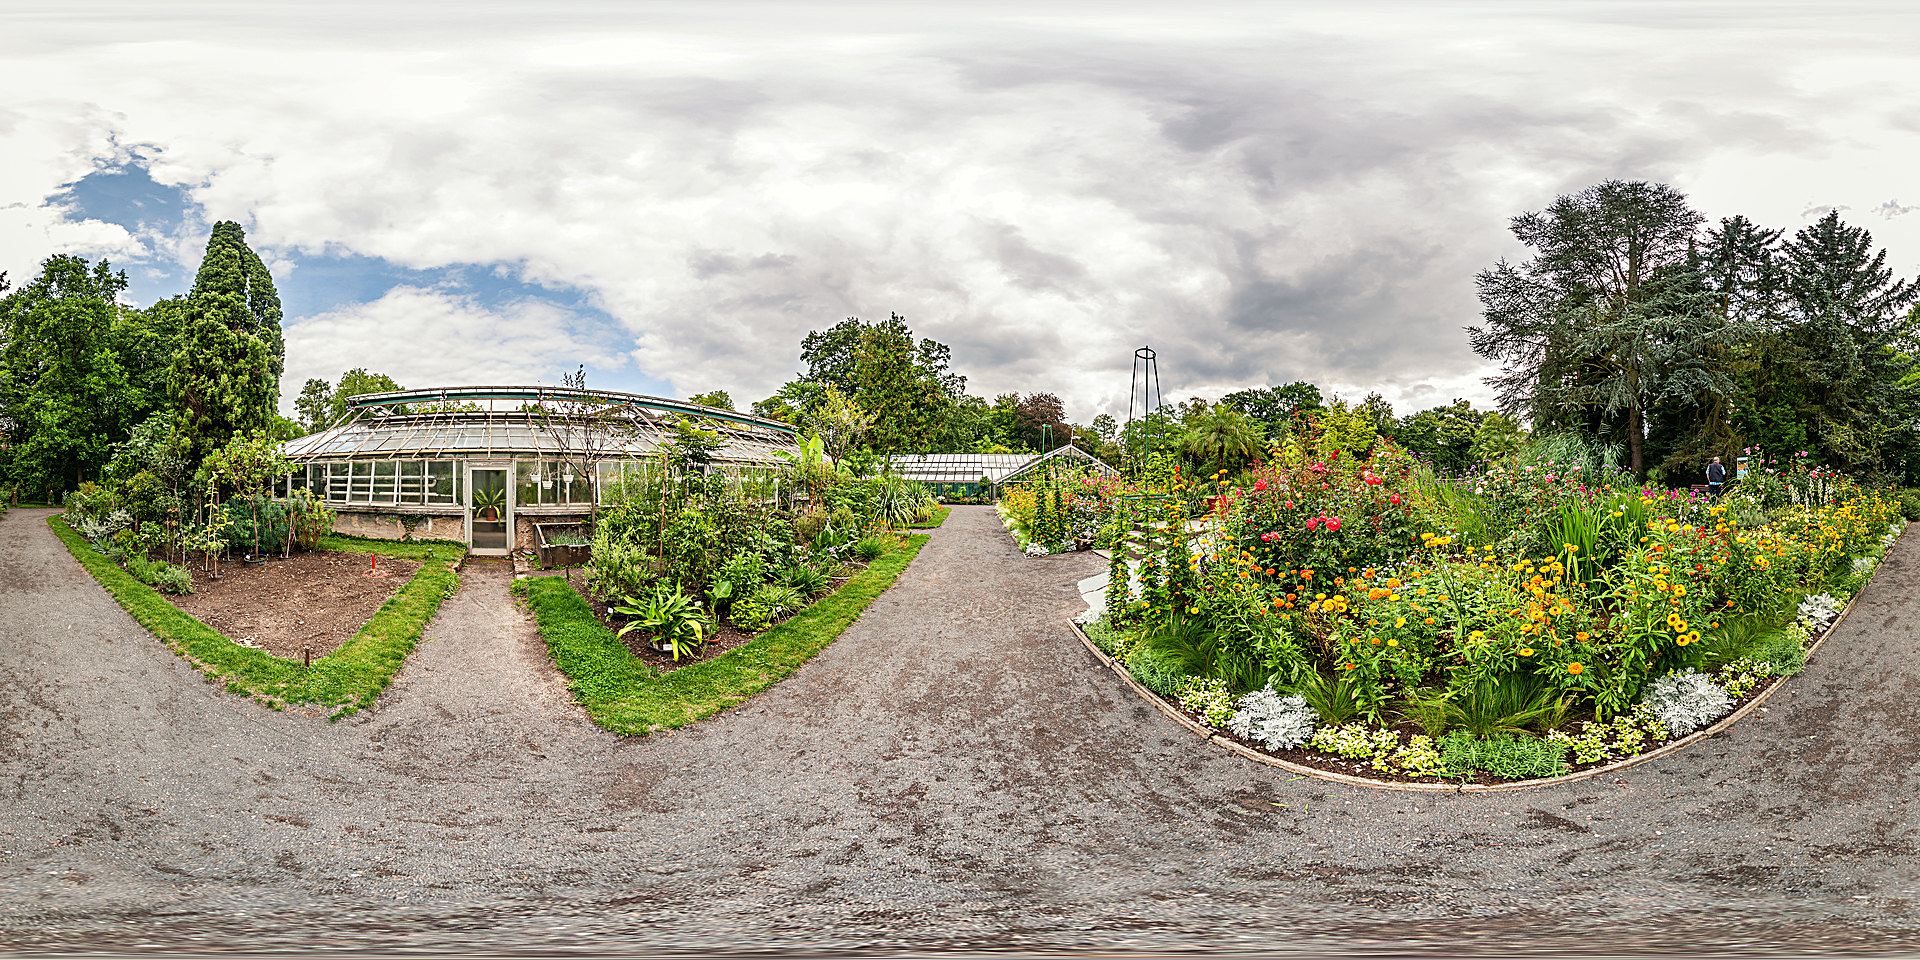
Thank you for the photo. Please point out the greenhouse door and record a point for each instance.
(489, 509)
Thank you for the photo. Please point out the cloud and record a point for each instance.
(1894, 208)
(424, 337)
(1263, 194)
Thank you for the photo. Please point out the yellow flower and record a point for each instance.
(1526, 651)
(1393, 643)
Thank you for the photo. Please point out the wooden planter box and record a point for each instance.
(558, 555)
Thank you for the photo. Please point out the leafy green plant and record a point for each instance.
(1504, 755)
(164, 577)
(1335, 699)
(622, 693)
(871, 548)
(750, 615)
(779, 598)
(670, 616)
(489, 501)
(806, 579)
(1512, 703)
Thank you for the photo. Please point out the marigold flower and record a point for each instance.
(1526, 651)
(1576, 669)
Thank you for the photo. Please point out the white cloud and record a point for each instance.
(424, 337)
(1264, 194)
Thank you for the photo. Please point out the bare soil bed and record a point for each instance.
(310, 601)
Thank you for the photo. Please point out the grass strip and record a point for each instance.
(398, 549)
(346, 680)
(939, 517)
(623, 694)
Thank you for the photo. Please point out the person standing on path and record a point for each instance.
(1716, 477)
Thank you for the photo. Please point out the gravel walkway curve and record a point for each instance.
(956, 772)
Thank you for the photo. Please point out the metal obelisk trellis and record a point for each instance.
(1144, 390)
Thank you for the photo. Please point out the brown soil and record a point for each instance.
(720, 641)
(308, 602)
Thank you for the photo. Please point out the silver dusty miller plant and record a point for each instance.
(1818, 610)
(1273, 720)
(1686, 700)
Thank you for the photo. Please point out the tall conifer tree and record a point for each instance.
(225, 377)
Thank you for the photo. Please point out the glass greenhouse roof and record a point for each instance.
(970, 467)
(523, 422)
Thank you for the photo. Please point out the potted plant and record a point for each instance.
(487, 504)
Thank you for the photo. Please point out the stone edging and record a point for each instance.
(1206, 733)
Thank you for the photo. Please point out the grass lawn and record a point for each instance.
(939, 517)
(621, 693)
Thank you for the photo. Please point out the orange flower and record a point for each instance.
(1576, 669)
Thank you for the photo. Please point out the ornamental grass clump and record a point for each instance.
(1273, 720)
(1686, 700)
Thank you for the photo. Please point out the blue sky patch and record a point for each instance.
(311, 284)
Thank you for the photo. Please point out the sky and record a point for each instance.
(673, 194)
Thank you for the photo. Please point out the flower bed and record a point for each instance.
(1354, 614)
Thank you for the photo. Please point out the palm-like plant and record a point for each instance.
(1223, 437)
(669, 614)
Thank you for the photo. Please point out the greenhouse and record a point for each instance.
(973, 476)
(481, 465)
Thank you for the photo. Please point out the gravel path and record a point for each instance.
(955, 773)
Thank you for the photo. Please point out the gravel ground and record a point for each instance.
(955, 774)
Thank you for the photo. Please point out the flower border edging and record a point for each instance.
(1208, 734)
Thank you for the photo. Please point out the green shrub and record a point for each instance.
(165, 577)
(1504, 755)
(1910, 504)
(750, 615)
(1153, 674)
(808, 580)
(1785, 651)
(779, 598)
(870, 548)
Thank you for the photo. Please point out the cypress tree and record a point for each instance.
(232, 267)
(225, 380)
